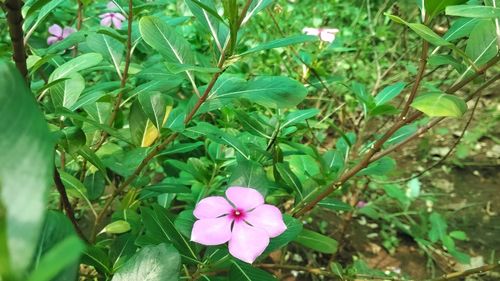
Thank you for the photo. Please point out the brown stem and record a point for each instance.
(123, 82)
(431, 124)
(312, 270)
(420, 74)
(459, 274)
(15, 22)
(66, 204)
(402, 120)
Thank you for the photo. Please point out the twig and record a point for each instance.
(402, 120)
(477, 270)
(414, 89)
(15, 22)
(124, 77)
(369, 156)
(431, 124)
(452, 148)
(66, 204)
(312, 270)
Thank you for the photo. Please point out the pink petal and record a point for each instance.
(331, 30)
(327, 37)
(117, 23)
(311, 31)
(211, 231)
(119, 16)
(212, 207)
(267, 217)
(244, 198)
(106, 21)
(105, 15)
(52, 39)
(55, 30)
(247, 242)
(67, 31)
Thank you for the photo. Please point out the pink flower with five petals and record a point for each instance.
(58, 33)
(324, 34)
(242, 220)
(112, 18)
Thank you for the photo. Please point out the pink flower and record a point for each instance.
(325, 34)
(58, 33)
(361, 204)
(112, 18)
(242, 219)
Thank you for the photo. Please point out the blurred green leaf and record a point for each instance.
(26, 168)
(473, 11)
(241, 271)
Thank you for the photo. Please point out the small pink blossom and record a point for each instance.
(325, 34)
(112, 18)
(58, 33)
(242, 219)
(361, 204)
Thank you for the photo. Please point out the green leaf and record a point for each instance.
(440, 104)
(282, 42)
(77, 64)
(241, 271)
(59, 257)
(423, 31)
(142, 129)
(270, 91)
(389, 93)
(206, 13)
(217, 135)
(290, 178)
(428, 35)
(255, 7)
(482, 44)
(97, 258)
(334, 204)
(460, 28)
(108, 47)
(163, 38)
(67, 92)
(379, 167)
(298, 116)
(459, 235)
(95, 184)
(184, 222)
(117, 227)
(434, 7)
(56, 228)
(438, 227)
(151, 263)
(25, 143)
(161, 225)
(249, 173)
(181, 148)
(473, 11)
(317, 242)
(156, 106)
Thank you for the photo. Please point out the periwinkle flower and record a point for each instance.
(58, 33)
(242, 220)
(324, 34)
(361, 204)
(112, 18)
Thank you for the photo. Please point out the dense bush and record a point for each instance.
(228, 140)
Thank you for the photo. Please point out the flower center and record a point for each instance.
(237, 214)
